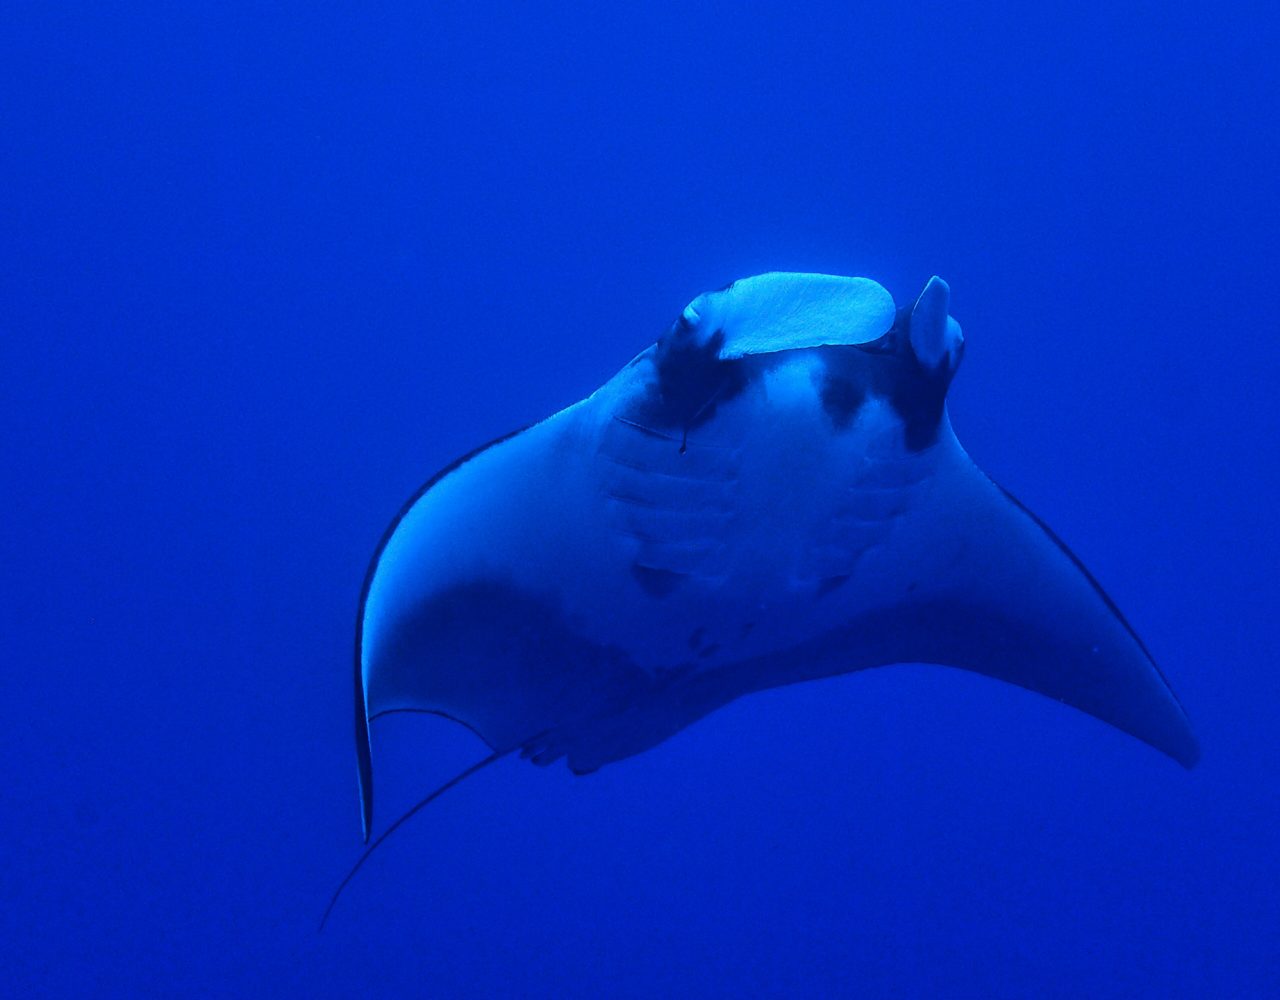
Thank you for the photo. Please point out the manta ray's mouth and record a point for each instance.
(888, 344)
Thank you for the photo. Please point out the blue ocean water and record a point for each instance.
(267, 269)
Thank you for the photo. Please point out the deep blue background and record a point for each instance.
(266, 269)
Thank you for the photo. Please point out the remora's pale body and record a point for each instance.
(771, 493)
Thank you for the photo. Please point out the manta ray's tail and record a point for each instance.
(453, 782)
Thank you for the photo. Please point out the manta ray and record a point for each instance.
(770, 493)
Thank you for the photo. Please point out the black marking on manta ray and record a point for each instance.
(364, 759)
(831, 583)
(886, 368)
(842, 398)
(701, 644)
(1097, 587)
(921, 413)
(657, 583)
(692, 381)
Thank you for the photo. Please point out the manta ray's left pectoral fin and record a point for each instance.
(1008, 599)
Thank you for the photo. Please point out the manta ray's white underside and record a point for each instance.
(771, 493)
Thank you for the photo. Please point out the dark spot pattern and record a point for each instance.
(842, 398)
(887, 369)
(657, 583)
(701, 644)
(692, 380)
(831, 583)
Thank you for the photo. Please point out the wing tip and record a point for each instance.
(364, 755)
(1172, 735)
(1187, 751)
(365, 778)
